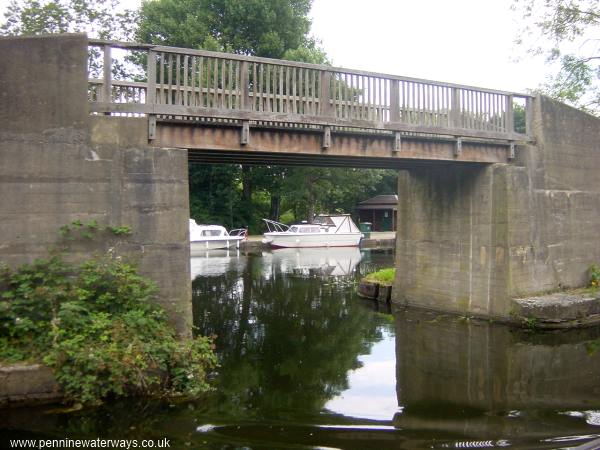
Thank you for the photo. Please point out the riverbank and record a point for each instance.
(377, 239)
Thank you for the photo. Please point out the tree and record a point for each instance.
(268, 28)
(102, 19)
(566, 28)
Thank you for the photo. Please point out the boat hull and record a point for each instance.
(298, 240)
(212, 244)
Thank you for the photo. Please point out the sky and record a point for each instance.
(468, 42)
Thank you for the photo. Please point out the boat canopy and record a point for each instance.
(343, 223)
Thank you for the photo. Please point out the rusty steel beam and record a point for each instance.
(288, 146)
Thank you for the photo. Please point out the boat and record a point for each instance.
(209, 237)
(326, 230)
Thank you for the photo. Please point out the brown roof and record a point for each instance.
(379, 202)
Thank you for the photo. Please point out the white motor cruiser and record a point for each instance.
(208, 237)
(327, 230)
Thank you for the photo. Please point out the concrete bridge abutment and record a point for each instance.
(59, 164)
(473, 237)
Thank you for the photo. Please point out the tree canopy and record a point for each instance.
(565, 31)
(252, 27)
(102, 19)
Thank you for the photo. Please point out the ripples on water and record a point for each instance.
(305, 363)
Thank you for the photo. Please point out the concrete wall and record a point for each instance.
(59, 164)
(471, 238)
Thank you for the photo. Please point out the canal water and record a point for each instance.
(306, 364)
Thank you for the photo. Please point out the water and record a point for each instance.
(305, 363)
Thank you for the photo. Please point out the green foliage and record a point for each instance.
(77, 229)
(530, 322)
(566, 30)
(386, 276)
(98, 326)
(252, 27)
(594, 276)
(99, 18)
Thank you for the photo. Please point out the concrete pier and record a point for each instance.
(59, 164)
(470, 239)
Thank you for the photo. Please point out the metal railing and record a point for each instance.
(185, 83)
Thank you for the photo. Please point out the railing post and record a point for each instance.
(510, 114)
(107, 82)
(394, 101)
(454, 119)
(151, 92)
(245, 102)
(529, 117)
(151, 89)
(326, 109)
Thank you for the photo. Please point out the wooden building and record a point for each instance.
(380, 211)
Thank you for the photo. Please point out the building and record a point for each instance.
(380, 211)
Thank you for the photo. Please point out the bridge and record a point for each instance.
(233, 108)
(499, 194)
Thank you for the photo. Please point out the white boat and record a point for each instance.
(327, 230)
(208, 237)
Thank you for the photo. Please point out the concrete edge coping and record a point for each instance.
(23, 384)
(558, 310)
(374, 290)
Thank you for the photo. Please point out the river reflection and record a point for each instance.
(305, 363)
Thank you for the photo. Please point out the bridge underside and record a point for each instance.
(267, 145)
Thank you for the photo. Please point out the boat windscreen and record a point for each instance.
(323, 220)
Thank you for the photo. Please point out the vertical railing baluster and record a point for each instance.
(510, 119)
(394, 101)
(294, 92)
(201, 77)
(151, 84)
(223, 85)
(107, 74)
(170, 79)
(185, 92)
(455, 108)
(325, 94)
(244, 86)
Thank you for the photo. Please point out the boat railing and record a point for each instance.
(239, 232)
(276, 227)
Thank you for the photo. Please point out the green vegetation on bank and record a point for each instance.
(98, 325)
(383, 276)
(594, 276)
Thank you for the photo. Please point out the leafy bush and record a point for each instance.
(98, 326)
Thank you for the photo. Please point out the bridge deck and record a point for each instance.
(324, 110)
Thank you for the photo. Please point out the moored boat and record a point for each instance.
(208, 237)
(326, 230)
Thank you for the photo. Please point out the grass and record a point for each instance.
(383, 276)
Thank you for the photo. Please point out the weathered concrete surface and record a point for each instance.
(558, 310)
(472, 238)
(27, 383)
(59, 164)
